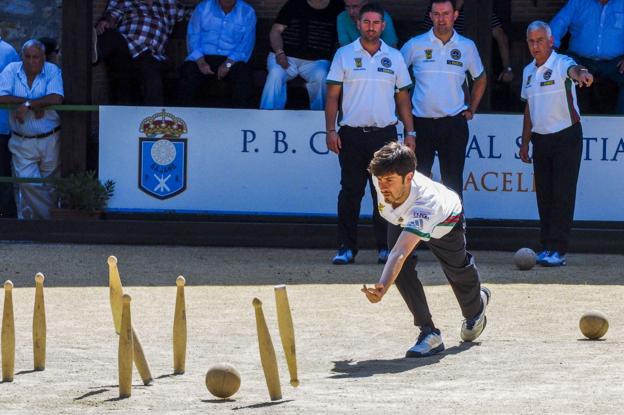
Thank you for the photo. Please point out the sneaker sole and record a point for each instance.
(340, 262)
(563, 264)
(488, 295)
(433, 351)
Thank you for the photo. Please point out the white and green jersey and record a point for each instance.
(430, 211)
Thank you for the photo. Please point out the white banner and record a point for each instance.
(257, 162)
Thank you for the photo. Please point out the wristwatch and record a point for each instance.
(411, 133)
(509, 69)
(27, 104)
(228, 64)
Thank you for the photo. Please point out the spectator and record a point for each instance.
(553, 125)
(53, 52)
(347, 28)
(34, 85)
(7, 201)
(132, 38)
(499, 35)
(596, 38)
(302, 38)
(440, 60)
(220, 40)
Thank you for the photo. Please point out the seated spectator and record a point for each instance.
(303, 39)
(132, 39)
(7, 201)
(347, 28)
(596, 38)
(220, 40)
(499, 35)
(52, 50)
(33, 84)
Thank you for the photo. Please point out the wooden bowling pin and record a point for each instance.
(39, 325)
(287, 331)
(267, 353)
(179, 329)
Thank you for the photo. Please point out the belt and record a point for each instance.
(370, 129)
(43, 135)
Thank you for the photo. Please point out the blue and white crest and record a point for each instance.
(162, 166)
(386, 62)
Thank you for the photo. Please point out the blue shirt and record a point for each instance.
(7, 55)
(212, 32)
(348, 32)
(13, 81)
(597, 31)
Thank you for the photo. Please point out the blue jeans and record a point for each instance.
(607, 69)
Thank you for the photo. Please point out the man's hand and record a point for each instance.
(506, 76)
(410, 141)
(468, 114)
(333, 141)
(620, 66)
(585, 79)
(524, 153)
(282, 60)
(20, 113)
(204, 67)
(222, 71)
(102, 26)
(374, 295)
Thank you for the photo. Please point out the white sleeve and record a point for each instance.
(336, 70)
(565, 63)
(475, 66)
(523, 95)
(403, 79)
(406, 51)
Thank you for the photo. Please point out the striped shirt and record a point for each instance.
(459, 24)
(7, 55)
(145, 28)
(13, 82)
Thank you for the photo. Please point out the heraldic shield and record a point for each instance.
(162, 156)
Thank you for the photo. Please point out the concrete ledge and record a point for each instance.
(296, 233)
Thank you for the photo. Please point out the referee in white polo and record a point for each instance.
(374, 82)
(440, 59)
(553, 125)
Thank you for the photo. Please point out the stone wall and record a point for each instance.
(26, 19)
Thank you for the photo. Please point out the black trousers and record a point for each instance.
(556, 163)
(448, 137)
(358, 147)
(134, 81)
(193, 83)
(7, 196)
(458, 266)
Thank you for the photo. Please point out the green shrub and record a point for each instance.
(83, 191)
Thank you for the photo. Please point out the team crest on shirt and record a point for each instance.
(456, 54)
(428, 54)
(386, 62)
(547, 75)
(358, 62)
(162, 155)
(380, 207)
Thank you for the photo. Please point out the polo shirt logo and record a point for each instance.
(454, 63)
(456, 54)
(547, 75)
(546, 83)
(400, 220)
(386, 62)
(358, 62)
(380, 207)
(384, 70)
(428, 54)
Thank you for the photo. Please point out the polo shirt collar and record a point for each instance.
(22, 72)
(550, 62)
(357, 46)
(434, 38)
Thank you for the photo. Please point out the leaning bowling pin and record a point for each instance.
(287, 331)
(115, 291)
(39, 325)
(140, 361)
(267, 353)
(179, 329)
(8, 334)
(125, 351)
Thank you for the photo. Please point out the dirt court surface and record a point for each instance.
(530, 359)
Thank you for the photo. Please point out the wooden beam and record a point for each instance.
(77, 48)
(477, 15)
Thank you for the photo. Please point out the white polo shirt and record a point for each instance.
(440, 71)
(430, 211)
(551, 94)
(369, 84)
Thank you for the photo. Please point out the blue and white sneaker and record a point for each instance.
(541, 257)
(555, 259)
(382, 256)
(429, 343)
(343, 257)
(472, 328)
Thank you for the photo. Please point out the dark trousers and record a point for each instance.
(7, 199)
(193, 83)
(556, 163)
(458, 266)
(134, 81)
(607, 69)
(358, 147)
(448, 138)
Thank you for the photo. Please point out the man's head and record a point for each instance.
(371, 22)
(393, 165)
(353, 8)
(540, 41)
(52, 49)
(443, 15)
(33, 56)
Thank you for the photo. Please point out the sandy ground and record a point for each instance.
(530, 360)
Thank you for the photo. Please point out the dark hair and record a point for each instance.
(393, 158)
(372, 7)
(443, 1)
(51, 45)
